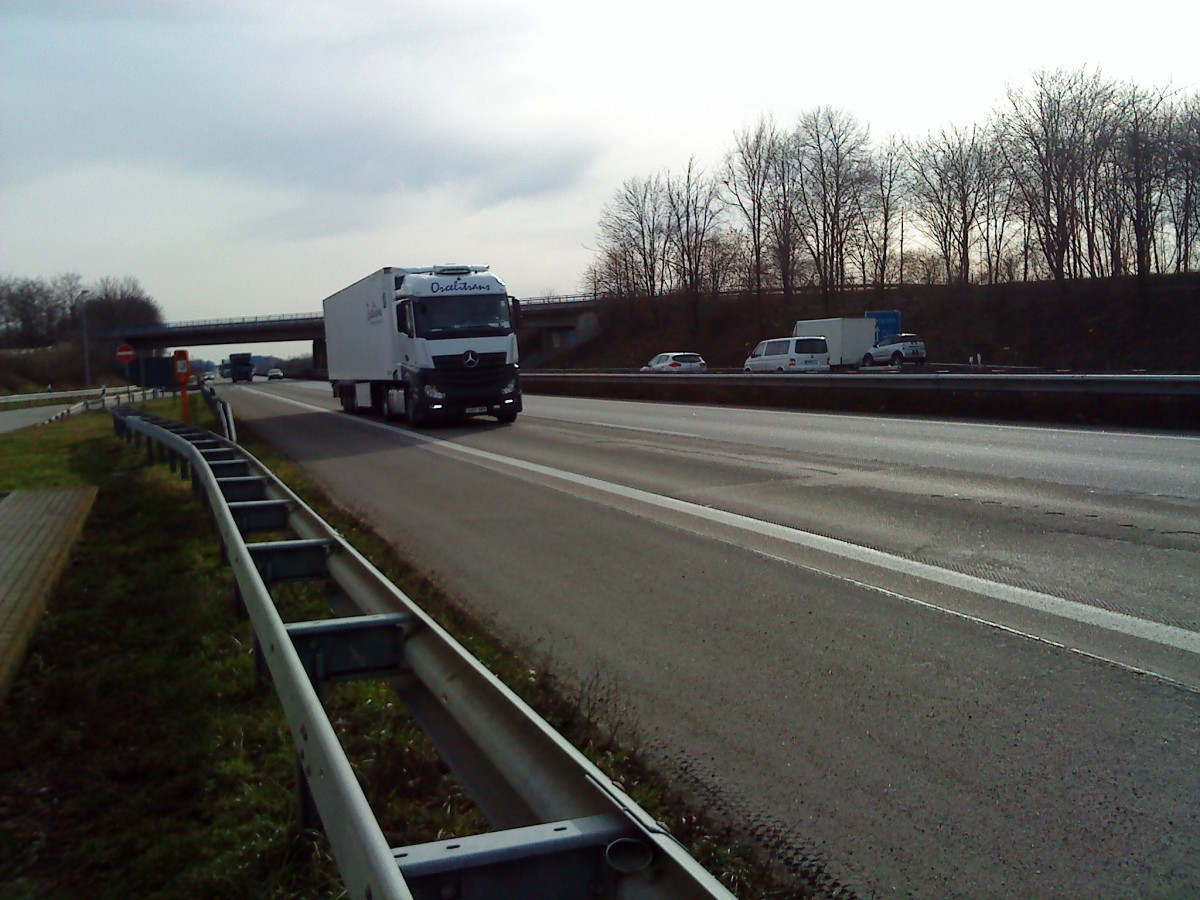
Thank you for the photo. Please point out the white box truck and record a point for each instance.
(849, 339)
(430, 343)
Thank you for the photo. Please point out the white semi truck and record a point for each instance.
(430, 343)
(848, 339)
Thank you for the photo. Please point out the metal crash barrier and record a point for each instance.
(563, 830)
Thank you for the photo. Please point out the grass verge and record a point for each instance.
(140, 759)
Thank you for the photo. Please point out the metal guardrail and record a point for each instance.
(49, 397)
(1150, 401)
(221, 411)
(564, 830)
(103, 401)
(106, 396)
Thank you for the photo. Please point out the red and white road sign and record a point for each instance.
(125, 353)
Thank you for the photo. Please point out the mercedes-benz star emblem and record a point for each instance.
(470, 359)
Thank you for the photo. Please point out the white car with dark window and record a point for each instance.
(275, 375)
(789, 354)
(896, 349)
(676, 363)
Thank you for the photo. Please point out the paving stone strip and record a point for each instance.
(37, 531)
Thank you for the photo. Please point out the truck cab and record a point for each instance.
(457, 346)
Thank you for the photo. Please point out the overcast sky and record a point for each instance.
(250, 157)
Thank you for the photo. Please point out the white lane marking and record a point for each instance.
(1121, 623)
(686, 434)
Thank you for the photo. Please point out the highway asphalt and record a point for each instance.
(936, 659)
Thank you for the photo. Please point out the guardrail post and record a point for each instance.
(345, 650)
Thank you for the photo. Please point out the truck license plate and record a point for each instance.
(476, 409)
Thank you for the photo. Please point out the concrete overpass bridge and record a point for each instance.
(548, 326)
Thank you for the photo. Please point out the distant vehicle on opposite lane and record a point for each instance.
(896, 349)
(676, 363)
(807, 353)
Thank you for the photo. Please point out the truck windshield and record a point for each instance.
(443, 316)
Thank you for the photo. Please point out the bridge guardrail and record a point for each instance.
(564, 830)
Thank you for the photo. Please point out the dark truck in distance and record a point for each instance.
(241, 367)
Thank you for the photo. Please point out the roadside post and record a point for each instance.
(182, 376)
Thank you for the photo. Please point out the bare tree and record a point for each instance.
(35, 312)
(26, 313)
(633, 228)
(882, 211)
(782, 211)
(1142, 155)
(1048, 140)
(747, 184)
(117, 302)
(996, 213)
(1183, 190)
(947, 190)
(692, 211)
(833, 151)
(726, 261)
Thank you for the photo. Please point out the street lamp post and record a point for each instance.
(81, 305)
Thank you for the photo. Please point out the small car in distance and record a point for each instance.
(676, 363)
(807, 353)
(895, 350)
(274, 374)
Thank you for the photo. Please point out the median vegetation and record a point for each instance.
(140, 757)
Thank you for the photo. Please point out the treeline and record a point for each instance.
(1072, 176)
(36, 312)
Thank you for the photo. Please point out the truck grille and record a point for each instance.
(485, 379)
(457, 361)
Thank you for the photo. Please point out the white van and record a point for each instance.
(790, 354)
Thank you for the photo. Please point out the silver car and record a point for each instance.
(896, 349)
(676, 363)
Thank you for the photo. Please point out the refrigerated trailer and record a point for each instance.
(848, 339)
(426, 343)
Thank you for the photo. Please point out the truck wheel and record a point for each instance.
(506, 418)
(349, 399)
(412, 410)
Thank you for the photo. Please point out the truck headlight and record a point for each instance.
(510, 387)
(431, 391)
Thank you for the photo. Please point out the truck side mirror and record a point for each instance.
(514, 307)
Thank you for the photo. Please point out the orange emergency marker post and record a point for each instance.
(182, 376)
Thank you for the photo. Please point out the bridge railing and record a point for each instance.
(209, 323)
